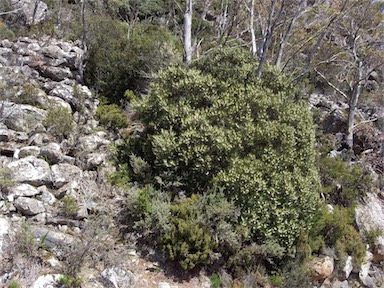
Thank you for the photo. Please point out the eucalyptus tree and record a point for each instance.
(352, 52)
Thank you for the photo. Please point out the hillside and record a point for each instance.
(252, 161)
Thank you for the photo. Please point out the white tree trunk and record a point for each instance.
(252, 28)
(352, 108)
(287, 34)
(187, 31)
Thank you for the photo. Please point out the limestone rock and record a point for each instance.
(52, 152)
(348, 267)
(5, 228)
(46, 281)
(164, 285)
(46, 196)
(370, 216)
(56, 101)
(5, 135)
(29, 151)
(64, 173)
(40, 139)
(31, 170)
(65, 92)
(53, 239)
(29, 206)
(23, 190)
(92, 142)
(95, 159)
(55, 73)
(33, 12)
(321, 268)
(118, 278)
(22, 117)
(364, 276)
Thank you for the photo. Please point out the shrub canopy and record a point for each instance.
(216, 125)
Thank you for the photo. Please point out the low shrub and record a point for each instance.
(111, 116)
(13, 284)
(342, 185)
(59, 121)
(188, 241)
(67, 281)
(69, 206)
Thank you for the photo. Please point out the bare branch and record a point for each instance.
(330, 84)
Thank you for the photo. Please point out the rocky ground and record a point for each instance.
(58, 213)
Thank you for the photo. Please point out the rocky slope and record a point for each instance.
(58, 214)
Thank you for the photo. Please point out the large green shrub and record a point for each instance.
(216, 124)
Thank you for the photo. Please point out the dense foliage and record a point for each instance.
(123, 56)
(216, 125)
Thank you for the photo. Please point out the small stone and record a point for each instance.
(348, 267)
(29, 151)
(23, 190)
(46, 281)
(164, 285)
(29, 206)
(338, 284)
(321, 267)
(64, 173)
(46, 196)
(131, 252)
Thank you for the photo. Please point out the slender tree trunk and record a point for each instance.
(83, 42)
(287, 34)
(268, 37)
(188, 31)
(352, 109)
(252, 28)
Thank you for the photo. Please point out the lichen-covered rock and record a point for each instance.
(31, 170)
(5, 135)
(23, 190)
(29, 151)
(5, 228)
(55, 73)
(95, 159)
(64, 173)
(29, 206)
(53, 239)
(118, 278)
(92, 142)
(52, 152)
(46, 281)
(364, 276)
(370, 217)
(32, 11)
(21, 117)
(348, 267)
